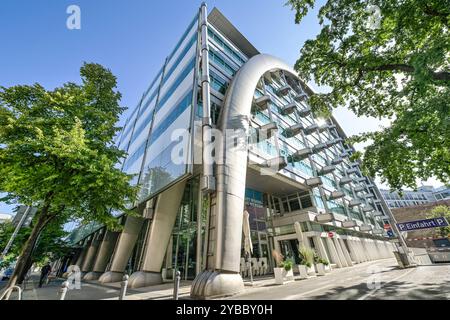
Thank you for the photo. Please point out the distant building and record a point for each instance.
(424, 238)
(5, 217)
(442, 193)
(423, 195)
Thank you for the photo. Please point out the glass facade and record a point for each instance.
(165, 108)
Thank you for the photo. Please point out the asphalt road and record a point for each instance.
(367, 281)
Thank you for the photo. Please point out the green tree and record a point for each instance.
(57, 152)
(441, 211)
(49, 246)
(386, 58)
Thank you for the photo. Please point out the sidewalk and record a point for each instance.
(95, 291)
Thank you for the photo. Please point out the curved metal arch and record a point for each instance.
(231, 172)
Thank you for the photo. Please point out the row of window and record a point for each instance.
(183, 74)
(217, 83)
(225, 46)
(169, 119)
(216, 58)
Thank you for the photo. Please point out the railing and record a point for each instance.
(6, 294)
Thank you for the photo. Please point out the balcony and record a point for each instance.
(326, 170)
(319, 147)
(378, 214)
(368, 196)
(334, 142)
(277, 162)
(263, 102)
(323, 128)
(365, 228)
(350, 171)
(367, 209)
(325, 217)
(266, 131)
(359, 188)
(332, 126)
(361, 179)
(310, 129)
(301, 97)
(336, 195)
(337, 161)
(354, 164)
(349, 150)
(313, 182)
(345, 180)
(288, 109)
(349, 224)
(284, 90)
(344, 155)
(304, 112)
(301, 154)
(354, 203)
(294, 130)
(378, 231)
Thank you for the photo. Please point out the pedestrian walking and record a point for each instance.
(45, 271)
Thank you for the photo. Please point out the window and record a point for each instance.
(225, 47)
(215, 56)
(218, 83)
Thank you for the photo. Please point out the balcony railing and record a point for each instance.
(288, 109)
(263, 102)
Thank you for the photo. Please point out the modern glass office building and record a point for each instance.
(290, 170)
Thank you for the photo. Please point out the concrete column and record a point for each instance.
(346, 253)
(367, 250)
(378, 249)
(353, 251)
(164, 217)
(334, 253)
(123, 250)
(81, 257)
(361, 251)
(302, 239)
(319, 245)
(91, 254)
(340, 253)
(104, 254)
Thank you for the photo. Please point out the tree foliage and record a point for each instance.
(50, 245)
(386, 58)
(441, 211)
(57, 151)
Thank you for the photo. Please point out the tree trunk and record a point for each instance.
(42, 220)
(27, 267)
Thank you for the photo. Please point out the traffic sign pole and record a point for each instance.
(393, 222)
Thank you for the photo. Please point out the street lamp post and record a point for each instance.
(16, 231)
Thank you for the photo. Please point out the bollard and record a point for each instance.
(176, 285)
(123, 287)
(63, 290)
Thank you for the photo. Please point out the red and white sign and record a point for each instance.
(330, 234)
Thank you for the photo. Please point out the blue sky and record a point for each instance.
(132, 38)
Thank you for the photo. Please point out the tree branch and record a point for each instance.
(441, 75)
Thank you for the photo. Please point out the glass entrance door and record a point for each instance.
(289, 250)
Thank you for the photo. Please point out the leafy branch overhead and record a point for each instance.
(57, 152)
(386, 58)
